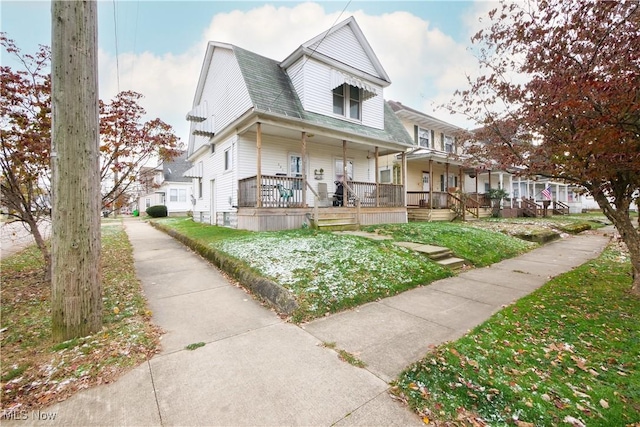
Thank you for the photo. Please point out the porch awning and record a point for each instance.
(205, 128)
(339, 78)
(198, 113)
(194, 172)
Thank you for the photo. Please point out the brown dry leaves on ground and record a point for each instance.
(37, 372)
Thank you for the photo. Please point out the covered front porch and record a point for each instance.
(313, 178)
(278, 202)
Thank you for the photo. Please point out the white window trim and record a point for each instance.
(429, 141)
(346, 103)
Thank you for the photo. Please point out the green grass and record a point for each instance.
(329, 272)
(567, 351)
(326, 272)
(195, 345)
(345, 356)
(478, 246)
(37, 371)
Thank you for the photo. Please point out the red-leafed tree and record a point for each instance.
(128, 144)
(559, 96)
(25, 134)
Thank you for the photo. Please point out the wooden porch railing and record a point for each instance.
(286, 192)
(274, 191)
(421, 199)
(531, 208)
(560, 208)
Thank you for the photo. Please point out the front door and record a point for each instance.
(212, 203)
(425, 181)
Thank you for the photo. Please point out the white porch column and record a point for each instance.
(259, 165)
(303, 156)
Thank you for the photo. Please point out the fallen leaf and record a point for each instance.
(604, 404)
(426, 420)
(573, 421)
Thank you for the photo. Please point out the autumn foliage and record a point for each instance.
(559, 96)
(127, 141)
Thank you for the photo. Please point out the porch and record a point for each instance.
(446, 205)
(281, 191)
(281, 202)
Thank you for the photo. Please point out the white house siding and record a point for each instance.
(224, 92)
(343, 46)
(373, 111)
(177, 207)
(296, 74)
(225, 184)
(275, 160)
(318, 96)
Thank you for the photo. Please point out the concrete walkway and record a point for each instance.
(256, 369)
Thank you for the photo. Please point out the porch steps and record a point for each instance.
(336, 221)
(440, 255)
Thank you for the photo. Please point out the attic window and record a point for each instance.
(347, 101)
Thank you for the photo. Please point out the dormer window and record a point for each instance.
(347, 101)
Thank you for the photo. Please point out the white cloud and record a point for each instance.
(425, 65)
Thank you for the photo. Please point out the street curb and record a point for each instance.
(268, 291)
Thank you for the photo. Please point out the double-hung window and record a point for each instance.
(448, 144)
(424, 137)
(177, 195)
(347, 101)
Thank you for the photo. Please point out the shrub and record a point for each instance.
(157, 211)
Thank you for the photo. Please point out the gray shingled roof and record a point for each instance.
(271, 90)
(174, 169)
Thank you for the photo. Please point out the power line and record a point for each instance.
(313, 51)
(135, 39)
(115, 30)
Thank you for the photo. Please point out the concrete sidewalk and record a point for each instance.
(256, 369)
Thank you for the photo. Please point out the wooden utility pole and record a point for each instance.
(76, 291)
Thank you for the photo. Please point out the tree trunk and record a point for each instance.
(629, 235)
(75, 240)
(42, 245)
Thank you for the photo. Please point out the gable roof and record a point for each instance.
(174, 169)
(422, 119)
(272, 91)
(369, 62)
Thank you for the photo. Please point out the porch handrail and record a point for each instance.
(560, 207)
(531, 207)
(316, 202)
(356, 197)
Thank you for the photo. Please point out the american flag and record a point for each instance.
(546, 193)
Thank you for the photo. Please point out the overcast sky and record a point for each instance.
(160, 45)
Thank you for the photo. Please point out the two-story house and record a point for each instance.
(277, 144)
(166, 185)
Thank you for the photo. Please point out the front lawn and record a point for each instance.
(478, 246)
(565, 355)
(330, 272)
(36, 371)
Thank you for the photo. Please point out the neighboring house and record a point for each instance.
(166, 185)
(435, 172)
(441, 185)
(269, 140)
